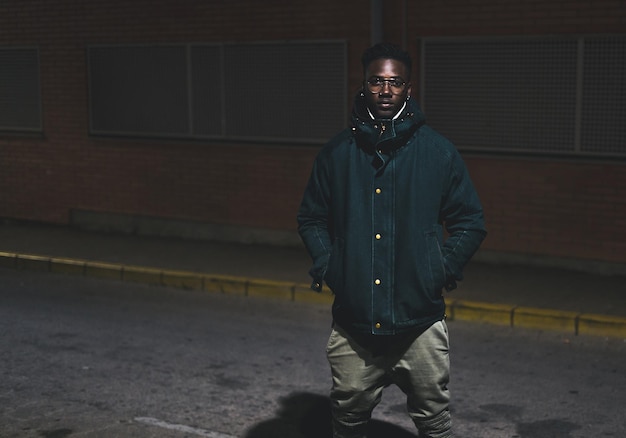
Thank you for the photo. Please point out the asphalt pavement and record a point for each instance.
(92, 358)
(502, 294)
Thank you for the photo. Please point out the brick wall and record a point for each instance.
(553, 207)
(549, 207)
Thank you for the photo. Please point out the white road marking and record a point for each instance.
(181, 428)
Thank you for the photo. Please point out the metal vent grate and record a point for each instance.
(207, 94)
(604, 95)
(291, 90)
(502, 94)
(138, 90)
(261, 91)
(552, 94)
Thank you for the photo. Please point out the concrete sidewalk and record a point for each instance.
(549, 299)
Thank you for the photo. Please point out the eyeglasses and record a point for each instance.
(377, 84)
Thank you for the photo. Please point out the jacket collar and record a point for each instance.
(384, 135)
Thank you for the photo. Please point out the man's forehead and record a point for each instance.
(388, 66)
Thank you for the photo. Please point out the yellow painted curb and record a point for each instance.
(602, 325)
(269, 288)
(33, 262)
(67, 266)
(501, 314)
(476, 311)
(304, 294)
(530, 317)
(140, 274)
(225, 285)
(182, 280)
(103, 270)
(8, 259)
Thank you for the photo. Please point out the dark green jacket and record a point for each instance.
(372, 218)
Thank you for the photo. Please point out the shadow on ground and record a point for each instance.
(306, 415)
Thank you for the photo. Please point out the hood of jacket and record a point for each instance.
(384, 135)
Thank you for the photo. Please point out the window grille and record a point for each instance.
(292, 92)
(207, 94)
(139, 90)
(533, 94)
(20, 94)
(604, 95)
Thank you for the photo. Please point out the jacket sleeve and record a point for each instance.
(313, 222)
(462, 215)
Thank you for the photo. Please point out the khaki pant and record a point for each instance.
(362, 366)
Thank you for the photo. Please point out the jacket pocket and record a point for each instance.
(436, 266)
(334, 271)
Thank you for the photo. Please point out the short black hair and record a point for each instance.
(386, 51)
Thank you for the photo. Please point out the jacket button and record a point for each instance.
(377, 281)
(377, 325)
(378, 191)
(378, 236)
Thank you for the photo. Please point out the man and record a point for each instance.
(372, 219)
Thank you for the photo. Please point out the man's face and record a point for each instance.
(386, 87)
